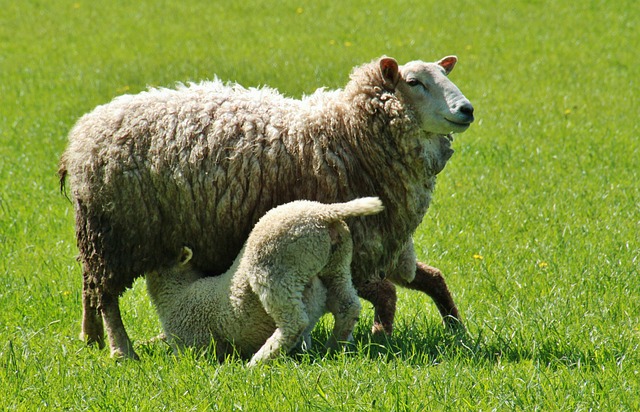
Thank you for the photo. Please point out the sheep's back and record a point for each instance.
(167, 168)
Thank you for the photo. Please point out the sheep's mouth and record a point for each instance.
(458, 124)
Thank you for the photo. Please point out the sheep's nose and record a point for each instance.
(466, 109)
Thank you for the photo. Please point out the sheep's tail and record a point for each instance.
(359, 207)
(62, 177)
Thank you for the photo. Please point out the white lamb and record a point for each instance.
(294, 267)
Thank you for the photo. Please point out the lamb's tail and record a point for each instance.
(358, 207)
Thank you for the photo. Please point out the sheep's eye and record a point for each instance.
(416, 83)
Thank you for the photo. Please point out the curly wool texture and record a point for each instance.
(294, 267)
(199, 165)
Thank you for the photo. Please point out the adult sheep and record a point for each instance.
(199, 166)
(294, 267)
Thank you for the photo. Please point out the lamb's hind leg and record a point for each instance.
(343, 303)
(342, 297)
(289, 329)
(119, 342)
(286, 309)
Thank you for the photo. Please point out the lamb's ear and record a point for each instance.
(448, 63)
(389, 70)
(185, 255)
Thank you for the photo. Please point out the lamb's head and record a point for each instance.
(425, 87)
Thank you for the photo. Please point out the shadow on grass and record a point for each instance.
(435, 344)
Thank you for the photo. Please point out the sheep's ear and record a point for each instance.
(448, 63)
(389, 70)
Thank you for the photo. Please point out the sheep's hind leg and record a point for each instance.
(119, 342)
(92, 328)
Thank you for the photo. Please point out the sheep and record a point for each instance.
(199, 164)
(294, 267)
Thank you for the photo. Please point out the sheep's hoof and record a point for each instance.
(454, 325)
(378, 329)
(124, 354)
(92, 340)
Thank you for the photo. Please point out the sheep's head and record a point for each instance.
(425, 87)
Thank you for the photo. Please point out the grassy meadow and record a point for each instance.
(535, 221)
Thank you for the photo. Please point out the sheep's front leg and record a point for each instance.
(430, 281)
(382, 294)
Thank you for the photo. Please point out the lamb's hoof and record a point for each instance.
(159, 338)
(255, 362)
(335, 346)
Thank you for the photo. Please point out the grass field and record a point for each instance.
(535, 222)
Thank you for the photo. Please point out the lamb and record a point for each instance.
(293, 268)
(199, 164)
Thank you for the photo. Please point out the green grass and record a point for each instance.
(535, 222)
